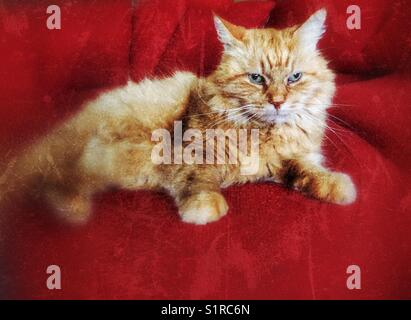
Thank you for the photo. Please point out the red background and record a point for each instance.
(274, 243)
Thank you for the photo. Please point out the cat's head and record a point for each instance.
(272, 76)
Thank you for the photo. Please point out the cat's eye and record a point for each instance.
(256, 78)
(294, 77)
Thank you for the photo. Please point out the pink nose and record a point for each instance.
(277, 104)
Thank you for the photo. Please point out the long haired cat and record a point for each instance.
(272, 80)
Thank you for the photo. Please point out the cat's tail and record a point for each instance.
(19, 174)
(19, 177)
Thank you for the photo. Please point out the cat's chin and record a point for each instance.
(276, 119)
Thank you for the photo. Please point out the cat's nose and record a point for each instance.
(277, 104)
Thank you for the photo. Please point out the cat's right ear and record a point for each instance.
(229, 34)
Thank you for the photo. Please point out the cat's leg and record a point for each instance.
(130, 166)
(68, 190)
(68, 187)
(69, 193)
(197, 194)
(318, 182)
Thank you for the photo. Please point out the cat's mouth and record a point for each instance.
(276, 118)
(273, 116)
(266, 114)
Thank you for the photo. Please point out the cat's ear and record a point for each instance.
(229, 34)
(311, 31)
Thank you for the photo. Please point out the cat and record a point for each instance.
(276, 81)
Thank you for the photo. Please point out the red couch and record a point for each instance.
(274, 243)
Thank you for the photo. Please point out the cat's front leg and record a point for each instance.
(318, 182)
(197, 195)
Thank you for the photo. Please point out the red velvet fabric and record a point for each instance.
(186, 38)
(42, 71)
(274, 243)
(381, 44)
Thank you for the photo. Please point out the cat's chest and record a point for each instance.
(272, 149)
(288, 142)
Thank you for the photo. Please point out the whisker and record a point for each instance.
(331, 118)
(313, 117)
(202, 114)
(332, 130)
(233, 115)
(206, 113)
(309, 93)
(330, 104)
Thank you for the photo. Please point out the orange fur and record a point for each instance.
(109, 142)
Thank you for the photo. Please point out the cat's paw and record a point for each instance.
(337, 188)
(203, 208)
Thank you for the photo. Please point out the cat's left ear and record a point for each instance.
(229, 34)
(311, 31)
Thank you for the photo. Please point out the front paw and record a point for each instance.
(203, 208)
(335, 187)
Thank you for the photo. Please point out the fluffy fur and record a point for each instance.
(109, 142)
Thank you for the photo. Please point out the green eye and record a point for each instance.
(256, 78)
(294, 77)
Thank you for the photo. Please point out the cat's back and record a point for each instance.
(152, 103)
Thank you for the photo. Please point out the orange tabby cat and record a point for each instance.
(275, 81)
